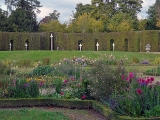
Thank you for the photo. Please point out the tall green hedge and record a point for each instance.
(134, 41)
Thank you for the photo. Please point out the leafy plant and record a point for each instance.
(20, 88)
(4, 69)
(105, 79)
(135, 60)
(141, 95)
(42, 70)
(155, 111)
(46, 61)
(24, 63)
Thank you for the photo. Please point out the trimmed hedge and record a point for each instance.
(68, 103)
(134, 41)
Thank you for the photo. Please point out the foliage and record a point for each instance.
(153, 71)
(22, 21)
(4, 69)
(155, 111)
(20, 88)
(46, 61)
(24, 63)
(58, 84)
(140, 96)
(135, 60)
(42, 70)
(120, 22)
(75, 89)
(152, 18)
(105, 79)
(53, 25)
(157, 61)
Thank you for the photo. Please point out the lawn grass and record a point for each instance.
(31, 114)
(55, 56)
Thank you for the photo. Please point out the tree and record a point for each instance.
(55, 15)
(151, 18)
(142, 24)
(120, 22)
(3, 20)
(22, 21)
(28, 5)
(53, 25)
(132, 7)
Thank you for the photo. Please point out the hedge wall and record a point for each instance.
(134, 41)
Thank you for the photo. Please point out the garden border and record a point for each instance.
(68, 103)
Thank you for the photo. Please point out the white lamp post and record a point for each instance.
(26, 45)
(51, 41)
(80, 47)
(10, 46)
(97, 46)
(113, 46)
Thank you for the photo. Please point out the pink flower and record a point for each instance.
(131, 75)
(65, 81)
(123, 77)
(62, 93)
(40, 84)
(152, 79)
(139, 91)
(128, 79)
(158, 83)
(83, 97)
(72, 78)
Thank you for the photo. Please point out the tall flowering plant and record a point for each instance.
(142, 95)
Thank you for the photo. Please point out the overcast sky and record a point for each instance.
(65, 7)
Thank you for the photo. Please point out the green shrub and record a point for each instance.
(42, 70)
(135, 60)
(58, 82)
(24, 63)
(155, 111)
(4, 70)
(68, 68)
(153, 71)
(105, 79)
(46, 61)
(20, 88)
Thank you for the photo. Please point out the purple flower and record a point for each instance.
(26, 85)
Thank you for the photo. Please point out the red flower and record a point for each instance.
(139, 91)
(152, 79)
(62, 93)
(83, 97)
(65, 81)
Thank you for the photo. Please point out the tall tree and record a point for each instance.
(3, 20)
(22, 21)
(54, 15)
(151, 18)
(132, 7)
(33, 5)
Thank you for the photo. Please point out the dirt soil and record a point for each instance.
(72, 114)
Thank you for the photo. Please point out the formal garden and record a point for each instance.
(118, 85)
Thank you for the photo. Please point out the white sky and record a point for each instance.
(65, 7)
